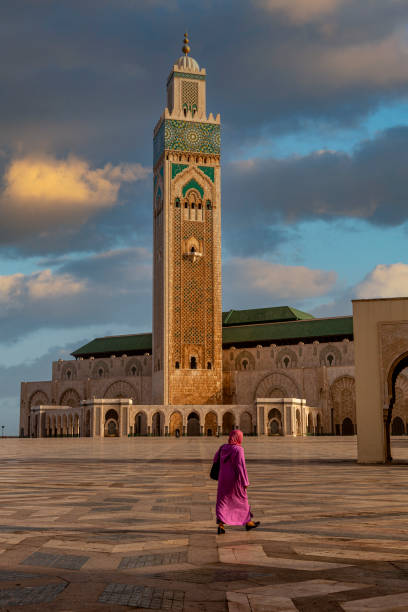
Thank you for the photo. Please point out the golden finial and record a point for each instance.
(186, 48)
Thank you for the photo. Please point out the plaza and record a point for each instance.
(122, 523)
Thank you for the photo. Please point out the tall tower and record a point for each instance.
(187, 326)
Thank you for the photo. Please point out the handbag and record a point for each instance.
(215, 470)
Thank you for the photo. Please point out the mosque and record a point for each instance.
(269, 371)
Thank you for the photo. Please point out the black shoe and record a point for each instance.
(221, 529)
(254, 526)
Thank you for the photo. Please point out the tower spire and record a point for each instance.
(186, 48)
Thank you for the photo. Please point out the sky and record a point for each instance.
(313, 96)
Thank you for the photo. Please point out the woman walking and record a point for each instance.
(232, 501)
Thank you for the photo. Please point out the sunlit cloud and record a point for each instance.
(385, 281)
(42, 192)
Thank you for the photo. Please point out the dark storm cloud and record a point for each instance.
(90, 76)
(370, 184)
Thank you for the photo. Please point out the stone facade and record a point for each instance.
(187, 342)
(190, 385)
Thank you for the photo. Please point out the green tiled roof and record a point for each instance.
(291, 331)
(263, 315)
(116, 345)
(287, 332)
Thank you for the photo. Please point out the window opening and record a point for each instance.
(193, 363)
(330, 359)
(177, 365)
(286, 361)
(134, 371)
(100, 372)
(208, 365)
(245, 364)
(192, 250)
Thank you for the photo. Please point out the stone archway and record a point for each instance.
(210, 424)
(227, 422)
(38, 398)
(158, 424)
(275, 422)
(71, 398)
(342, 399)
(121, 389)
(193, 424)
(176, 424)
(347, 427)
(397, 427)
(140, 427)
(277, 380)
(111, 429)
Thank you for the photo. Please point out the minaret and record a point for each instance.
(187, 326)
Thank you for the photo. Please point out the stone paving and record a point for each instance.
(129, 524)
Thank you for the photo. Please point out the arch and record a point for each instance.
(158, 424)
(210, 424)
(192, 184)
(397, 427)
(121, 389)
(330, 355)
(318, 423)
(68, 371)
(298, 423)
(100, 369)
(277, 380)
(64, 425)
(38, 398)
(309, 423)
(111, 429)
(134, 367)
(227, 422)
(140, 427)
(398, 365)
(286, 358)
(347, 427)
(193, 424)
(244, 361)
(245, 423)
(88, 424)
(342, 398)
(176, 424)
(71, 398)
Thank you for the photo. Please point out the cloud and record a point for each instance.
(16, 288)
(385, 281)
(250, 282)
(370, 184)
(108, 288)
(42, 193)
(301, 11)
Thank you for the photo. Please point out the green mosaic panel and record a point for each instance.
(189, 136)
(176, 168)
(192, 184)
(208, 170)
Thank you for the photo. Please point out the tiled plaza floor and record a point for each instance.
(121, 524)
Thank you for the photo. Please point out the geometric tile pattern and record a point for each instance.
(30, 595)
(142, 597)
(150, 560)
(71, 562)
(333, 534)
(191, 136)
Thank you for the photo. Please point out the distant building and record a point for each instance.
(275, 371)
